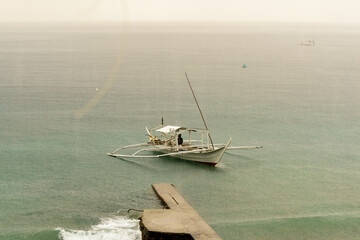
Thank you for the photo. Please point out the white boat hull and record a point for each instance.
(210, 157)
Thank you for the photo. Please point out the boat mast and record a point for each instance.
(212, 144)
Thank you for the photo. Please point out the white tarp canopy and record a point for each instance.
(167, 129)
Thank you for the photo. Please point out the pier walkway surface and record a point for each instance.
(180, 221)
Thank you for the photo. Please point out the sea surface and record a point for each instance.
(301, 103)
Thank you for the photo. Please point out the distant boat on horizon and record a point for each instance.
(308, 43)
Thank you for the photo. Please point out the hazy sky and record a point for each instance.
(181, 10)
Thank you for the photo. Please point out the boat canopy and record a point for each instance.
(168, 129)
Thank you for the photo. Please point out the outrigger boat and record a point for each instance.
(166, 141)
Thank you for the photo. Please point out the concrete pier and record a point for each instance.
(178, 222)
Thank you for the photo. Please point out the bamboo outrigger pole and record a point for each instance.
(212, 144)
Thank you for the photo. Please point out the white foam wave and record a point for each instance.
(110, 229)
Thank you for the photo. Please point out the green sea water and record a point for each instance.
(302, 103)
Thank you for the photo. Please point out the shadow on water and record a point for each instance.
(169, 162)
(193, 165)
(134, 162)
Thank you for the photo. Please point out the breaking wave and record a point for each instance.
(110, 228)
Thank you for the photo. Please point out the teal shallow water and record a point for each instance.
(301, 103)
